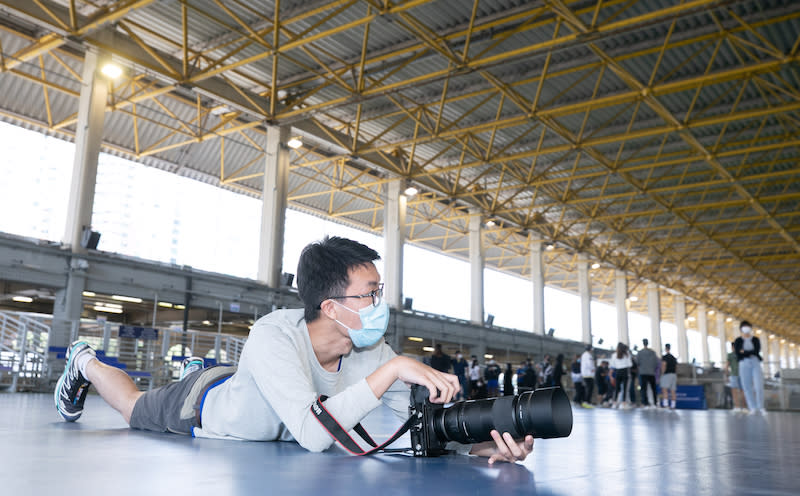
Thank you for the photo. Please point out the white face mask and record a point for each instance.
(747, 330)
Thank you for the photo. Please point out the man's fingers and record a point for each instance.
(515, 449)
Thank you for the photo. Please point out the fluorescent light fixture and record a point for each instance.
(179, 307)
(294, 143)
(411, 191)
(488, 356)
(112, 305)
(595, 265)
(129, 299)
(108, 309)
(414, 338)
(89, 294)
(729, 319)
(634, 298)
(691, 319)
(490, 223)
(111, 70)
(549, 246)
(758, 331)
(427, 348)
(711, 312)
(165, 304)
(22, 299)
(206, 322)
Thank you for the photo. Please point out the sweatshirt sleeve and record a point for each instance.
(283, 377)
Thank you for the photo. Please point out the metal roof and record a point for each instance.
(656, 137)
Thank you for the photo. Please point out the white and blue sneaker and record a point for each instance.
(72, 387)
(191, 364)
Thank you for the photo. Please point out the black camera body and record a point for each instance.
(543, 413)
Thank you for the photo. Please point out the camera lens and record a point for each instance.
(543, 413)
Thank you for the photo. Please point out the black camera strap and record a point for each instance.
(337, 432)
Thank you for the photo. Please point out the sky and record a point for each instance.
(148, 213)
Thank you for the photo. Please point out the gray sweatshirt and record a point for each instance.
(648, 361)
(269, 397)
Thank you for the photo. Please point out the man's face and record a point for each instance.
(363, 280)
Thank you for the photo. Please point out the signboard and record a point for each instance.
(690, 397)
(135, 332)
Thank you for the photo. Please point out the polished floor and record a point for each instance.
(610, 452)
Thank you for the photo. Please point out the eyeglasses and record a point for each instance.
(375, 294)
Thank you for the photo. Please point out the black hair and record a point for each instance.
(666, 346)
(645, 341)
(745, 323)
(323, 270)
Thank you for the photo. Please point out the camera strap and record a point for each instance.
(337, 432)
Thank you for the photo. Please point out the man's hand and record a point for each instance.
(411, 371)
(504, 448)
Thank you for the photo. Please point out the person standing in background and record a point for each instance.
(648, 363)
(508, 381)
(440, 361)
(460, 366)
(733, 380)
(669, 377)
(621, 363)
(558, 371)
(587, 375)
(748, 350)
(577, 379)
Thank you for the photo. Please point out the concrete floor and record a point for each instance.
(609, 452)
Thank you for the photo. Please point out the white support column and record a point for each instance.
(68, 304)
(702, 323)
(394, 235)
(273, 206)
(476, 267)
(621, 294)
(537, 278)
(585, 289)
(680, 323)
(794, 353)
(88, 137)
(784, 353)
(775, 354)
(723, 339)
(654, 311)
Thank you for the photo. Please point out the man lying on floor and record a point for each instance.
(334, 347)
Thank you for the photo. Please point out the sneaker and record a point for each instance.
(72, 387)
(587, 405)
(672, 405)
(191, 364)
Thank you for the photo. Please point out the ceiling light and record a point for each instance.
(595, 265)
(22, 299)
(111, 70)
(549, 246)
(413, 338)
(294, 143)
(206, 322)
(488, 356)
(729, 319)
(758, 331)
(634, 298)
(165, 304)
(427, 348)
(108, 309)
(129, 299)
(490, 223)
(691, 319)
(411, 191)
(711, 312)
(89, 294)
(179, 307)
(783, 341)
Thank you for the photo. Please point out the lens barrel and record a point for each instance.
(543, 413)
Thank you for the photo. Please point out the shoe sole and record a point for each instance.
(66, 416)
